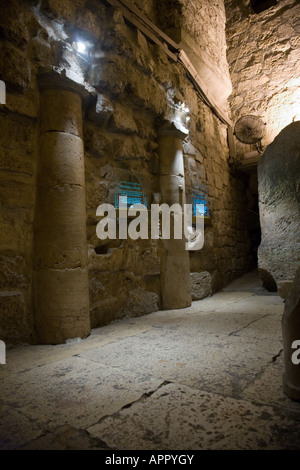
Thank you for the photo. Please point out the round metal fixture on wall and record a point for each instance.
(249, 129)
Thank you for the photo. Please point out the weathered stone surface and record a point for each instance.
(14, 31)
(97, 194)
(61, 230)
(18, 144)
(190, 24)
(13, 272)
(108, 309)
(97, 143)
(61, 296)
(270, 38)
(268, 281)
(200, 285)
(107, 265)
(15, 66)
(63, 112)
(118, 76)
(14, 324)
(278, 186)
(131, 148)
(16, 233)
(116, 255)
(23, 198)
(26, 104)
(101, 109)
(67, 437)
(141, 302)
(61, 161)
(284, 288)
(66, 10)
(122, 121)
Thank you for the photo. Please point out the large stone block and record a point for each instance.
(113, 260)
(141, 302)
(97, 144)
(117, 76)
(18, 144)
(57, 9)
(15, 66)
(107, 310)
(100, 110)
(108, 293)
(14, 31)
(130, 147)
(17, 191)
(122, 120)
(16, 231)
(96, 193)
(279, 204)
(14, 273)
(14, 326)
(200, 285)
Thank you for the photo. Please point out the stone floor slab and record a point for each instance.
(74, 391)
(178, 417)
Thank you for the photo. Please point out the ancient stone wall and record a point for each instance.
(130, 85)
(263, 55)
(18, 156)
(199, 28)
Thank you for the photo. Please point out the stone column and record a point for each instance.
(175, 262)
(61, 276)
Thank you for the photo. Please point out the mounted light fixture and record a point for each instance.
(82, 44)
(80, 47)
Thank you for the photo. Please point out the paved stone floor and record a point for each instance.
(205, 377)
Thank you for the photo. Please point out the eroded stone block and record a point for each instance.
(200, 285)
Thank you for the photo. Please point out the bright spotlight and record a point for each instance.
(80, 47)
